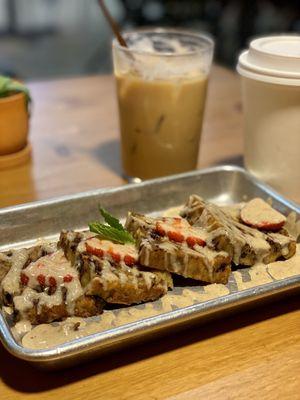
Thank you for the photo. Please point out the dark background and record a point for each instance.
(57, 38)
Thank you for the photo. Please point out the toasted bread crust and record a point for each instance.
(85, 306)
(185, 262)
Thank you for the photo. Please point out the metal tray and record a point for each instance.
(20, 226)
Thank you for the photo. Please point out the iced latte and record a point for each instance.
(161, 86)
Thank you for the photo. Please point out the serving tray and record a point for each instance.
(21, 226)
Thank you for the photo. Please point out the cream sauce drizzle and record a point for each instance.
(206, 214)
(50, 335)
(239, 234)
(122, 275)
(172, 211)
(265, 273)
(20, 329)
(54, 265)
(46, 335)
(292, 225)
(11, 282)
(231, 209)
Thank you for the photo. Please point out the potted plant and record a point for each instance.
(14, 116)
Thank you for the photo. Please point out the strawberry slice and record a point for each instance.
(129, 260)
(41, 279)
(175, 236)
(24, 279)
(260, 215)
(112, 251)
(192, 241)
(94, 250)
(52, 281)
(115, 256)
(160, 230)
(68, 278)
(178, 230)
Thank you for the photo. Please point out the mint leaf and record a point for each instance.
(110, 220)
(109, 233)
(113, 230)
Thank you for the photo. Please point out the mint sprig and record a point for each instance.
(110, 220)
(113, 230)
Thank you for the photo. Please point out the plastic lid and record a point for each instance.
(274, 59)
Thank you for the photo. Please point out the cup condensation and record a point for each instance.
(161, 96)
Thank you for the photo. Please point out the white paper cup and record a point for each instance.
(270, 72)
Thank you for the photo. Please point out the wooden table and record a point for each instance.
(253, 355)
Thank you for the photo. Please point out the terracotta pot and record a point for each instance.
(14, 123)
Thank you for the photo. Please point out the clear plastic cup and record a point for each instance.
(161, 87)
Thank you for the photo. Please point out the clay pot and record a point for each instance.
(14, 123)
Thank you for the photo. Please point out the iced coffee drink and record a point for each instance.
(161, 86)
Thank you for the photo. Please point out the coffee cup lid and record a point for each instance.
(274, 59)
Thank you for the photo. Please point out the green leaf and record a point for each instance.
(113, 229)
(110, 233)
(110, 220)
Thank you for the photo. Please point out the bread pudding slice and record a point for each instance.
(111, 271)
(40, 285)
(246, 245)
(172, 244)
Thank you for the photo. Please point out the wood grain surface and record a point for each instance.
(252, 355)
